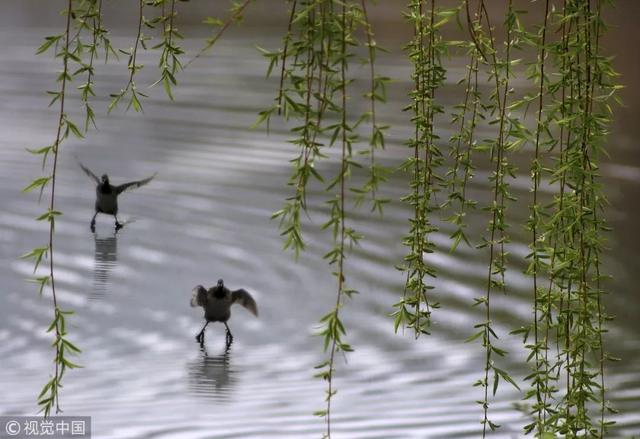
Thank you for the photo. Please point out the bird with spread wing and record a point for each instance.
(107, 195)
(217, 302)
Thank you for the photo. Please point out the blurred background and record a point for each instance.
(206, 216)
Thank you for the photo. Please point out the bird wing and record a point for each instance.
(199, 297)
(242, 297)
(89, 173)
(133, 184)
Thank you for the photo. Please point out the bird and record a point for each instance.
(107, 195)
(217, 302)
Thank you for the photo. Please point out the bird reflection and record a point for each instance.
(106, 258)
(211, 376)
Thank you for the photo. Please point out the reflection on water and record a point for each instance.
(211, 376)
(106, 258)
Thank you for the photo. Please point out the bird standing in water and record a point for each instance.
(217, 303)
(107, 195)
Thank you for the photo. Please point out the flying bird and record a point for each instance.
(107, 195)
(217, 302)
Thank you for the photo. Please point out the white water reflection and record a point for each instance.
(212, 376)
(106, 258)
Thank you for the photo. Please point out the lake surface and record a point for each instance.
(206, 216)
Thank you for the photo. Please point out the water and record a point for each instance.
(206, 216)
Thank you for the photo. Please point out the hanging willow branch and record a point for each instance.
(234, 17)
(334, 328)
(169, 61)
(425, 52)
(48, 398)
(541, 311)
(510, 135)
(98, 36)
(313, 93)
(463, 141)
(133, 67)
(376, 94)
(571, 308)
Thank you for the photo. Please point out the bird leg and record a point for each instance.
(93, 222)
(200, 335)
(229, 335)
(118, 224)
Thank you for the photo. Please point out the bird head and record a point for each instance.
(219, 290)
(105, 178)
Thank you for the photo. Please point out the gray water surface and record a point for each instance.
(206, 216)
